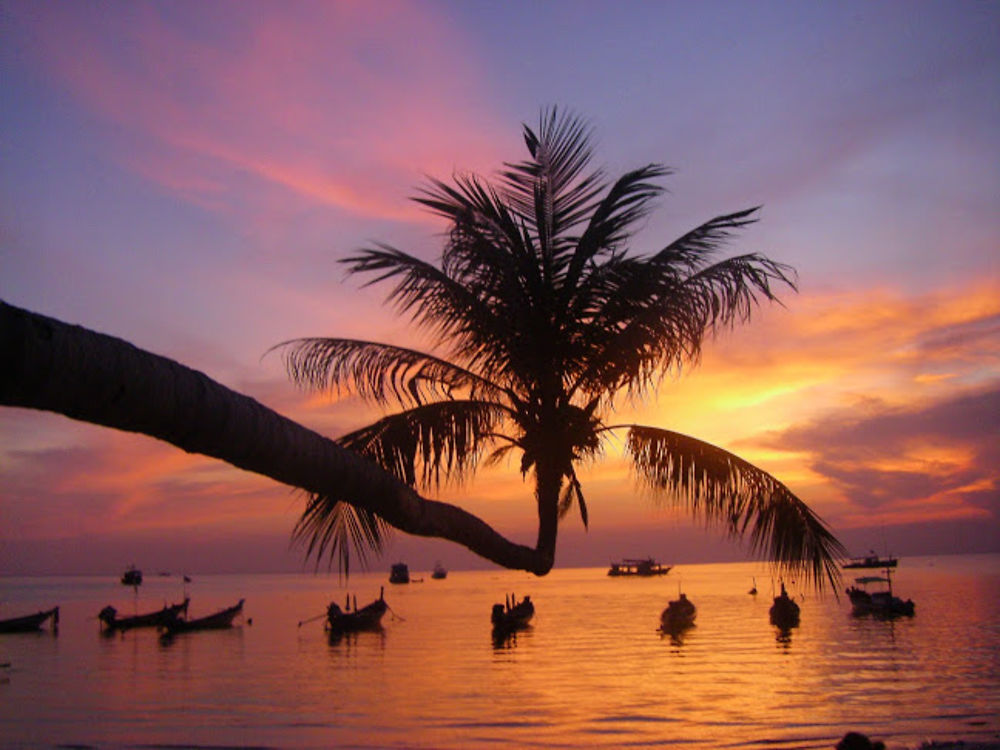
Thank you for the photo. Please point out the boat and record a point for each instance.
(27, 623)
(784, 612)
(439, 571)
(512, 615)
(679, 615)
(132, 576)
(368, 617)
(109, 617)
(638, 567)
(753, 589)
(871, 560)
(399, 573)
(882, 603)
(217, 621)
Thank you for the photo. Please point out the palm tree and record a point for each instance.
(546, 322)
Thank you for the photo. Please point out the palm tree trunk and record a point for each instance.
(70, 370)
(548, 483)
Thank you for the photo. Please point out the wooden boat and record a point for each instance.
(638, 567)
(439, 571)
(368, 617)
(109, 617)
(399, 573)
(132, 576)
(512, 615)
(27, 623)
(217, 621)
(881, 603)
(871, 560)
(784, 612)
(679, 615)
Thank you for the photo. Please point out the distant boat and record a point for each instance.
(784, 612)
(27, 623)
(399, 573)
(511, 616)
(638, 567)
(132, 576)
(439, 571)
(217, 621)
(109, 616)
(881, 603)
(871, 560)
(753, 590)
(368, 617)
(678, 616)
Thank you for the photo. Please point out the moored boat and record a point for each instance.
(368, 617)
(111, 621)
(679, 615)
(512, 615)
(638, 567)
(439, 571)
(399, 573)
(871, 560)
(27, 623)
(216, 621)
(132, 576)
(882, 603)
(784, 612)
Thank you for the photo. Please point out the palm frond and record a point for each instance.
(423, 445)
(723, 489)
(378, 372)
(332, 527)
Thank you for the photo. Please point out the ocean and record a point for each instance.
(592, 671)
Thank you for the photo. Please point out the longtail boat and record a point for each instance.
(217, 621)
(512, 615)
(368, 617)
(111, 621)
(27, 623)
(679, 615)
(399, 573)
(784, 612)
(132, 576)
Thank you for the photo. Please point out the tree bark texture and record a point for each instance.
(54, 366)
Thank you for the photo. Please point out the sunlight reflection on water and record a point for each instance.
(591, 671)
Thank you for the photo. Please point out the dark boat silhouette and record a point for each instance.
(643, 567)
(27, 623)
(399, 573)
(132, 576)
(678, 616)
(216, 621)
(111, 621)
(784, 612)
(368, 617)
(511, 616)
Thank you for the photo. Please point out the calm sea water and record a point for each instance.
(592, 671)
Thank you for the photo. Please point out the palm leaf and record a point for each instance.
(331, 526)
(723, 489)
(428, 443)
(378, 372)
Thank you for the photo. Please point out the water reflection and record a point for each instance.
(349, 640)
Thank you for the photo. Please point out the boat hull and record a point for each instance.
(28, 623)
(217, 621)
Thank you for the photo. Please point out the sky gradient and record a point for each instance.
(186, 176)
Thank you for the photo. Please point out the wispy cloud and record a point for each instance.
(340, 104)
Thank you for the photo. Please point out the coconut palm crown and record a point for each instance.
(546, 321)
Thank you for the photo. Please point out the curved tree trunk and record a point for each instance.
(70, 370)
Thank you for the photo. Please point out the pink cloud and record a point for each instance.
(340, 104)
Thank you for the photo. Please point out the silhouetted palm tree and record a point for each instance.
(545, 322)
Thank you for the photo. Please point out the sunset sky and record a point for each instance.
(187, 175)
